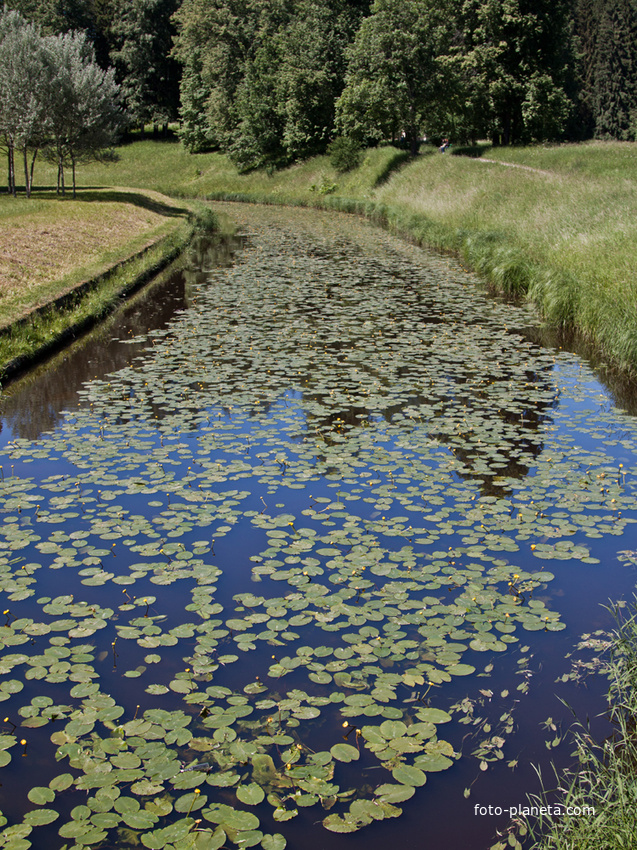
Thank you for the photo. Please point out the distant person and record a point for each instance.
(444, 145)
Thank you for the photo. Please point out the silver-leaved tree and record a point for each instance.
(83, 110)
(53, 97)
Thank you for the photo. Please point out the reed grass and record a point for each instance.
(601, 791)
(559, 228)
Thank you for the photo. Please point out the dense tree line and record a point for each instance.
(272, 82)
(607, 35)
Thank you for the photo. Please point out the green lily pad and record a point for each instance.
(345, 752)
(251, 794)
(409, 775)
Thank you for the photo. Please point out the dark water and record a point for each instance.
(314, 486)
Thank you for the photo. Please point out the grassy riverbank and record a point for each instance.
(559, 228)
(66, 263)
(49, 244)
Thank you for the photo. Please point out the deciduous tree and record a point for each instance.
(149, 76)
(518, 62)
(397, 79)
(84, 112)
(25, 72)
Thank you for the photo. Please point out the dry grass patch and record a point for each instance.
(47, 244)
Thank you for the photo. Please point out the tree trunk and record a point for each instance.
(61, 176)
(11, 164)
(506, 130)
(35, 153)
(73, 168)
(27, 180)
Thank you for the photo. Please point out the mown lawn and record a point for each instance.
(48, 243)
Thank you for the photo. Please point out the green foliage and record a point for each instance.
(53, 95)
(614, 78)
(25, 78)
(213, 44)
(324, 186)
(286, 100)
(261, 80)
(204, 220)
(517, 62)
(83, 110)
(142, 36)
(95, 17)
(344, 153)
(515, 70)
(396, 81)
(545, 110)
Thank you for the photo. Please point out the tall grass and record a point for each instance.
(605, 779)
(564, 235)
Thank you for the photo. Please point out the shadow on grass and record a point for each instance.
(93, 194)
(399, 159)
(474, 151)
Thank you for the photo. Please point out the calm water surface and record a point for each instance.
(320, 515)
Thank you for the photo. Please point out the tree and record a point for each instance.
(518, 61)
(148, 74)
(94, 17)
(24, 75)
(260, 80)
(286, 101)
(313, 63)
(614, 95)
(397, 80)
(585, 24)
(214, 40)
(84, 113)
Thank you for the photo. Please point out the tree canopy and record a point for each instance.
(53, 96)
(396, 81)
(270, 83)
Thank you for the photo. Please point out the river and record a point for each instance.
(300, 549)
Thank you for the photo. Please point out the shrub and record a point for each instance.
(344, 153)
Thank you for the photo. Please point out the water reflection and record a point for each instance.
(622, 386)
(398, 341)
(385, 381)
(32, 404)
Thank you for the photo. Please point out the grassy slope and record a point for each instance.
(566, 233)
(563, 233)
(49, 244)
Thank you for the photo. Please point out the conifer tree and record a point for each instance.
(614, 95)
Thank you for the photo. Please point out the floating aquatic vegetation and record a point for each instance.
(251, 562)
